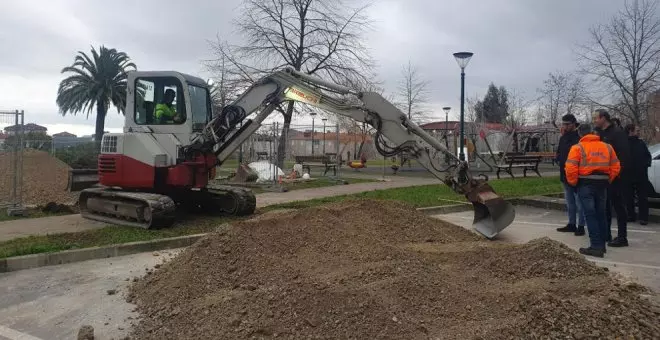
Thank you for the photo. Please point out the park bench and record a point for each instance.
(526, 162)
(326, 162)
(262, 155)
(545, 156)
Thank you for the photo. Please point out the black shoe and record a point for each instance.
(618, 242)
(643, 222)
(592, 252)
(567, 228)
(579, 231)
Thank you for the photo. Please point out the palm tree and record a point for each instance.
(100, 80)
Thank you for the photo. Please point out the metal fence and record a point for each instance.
(306, 140)
(317, 143)
(11, 160)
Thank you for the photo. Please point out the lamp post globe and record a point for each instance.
(462, 58)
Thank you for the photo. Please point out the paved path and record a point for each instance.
(73, 223)
(51, 303)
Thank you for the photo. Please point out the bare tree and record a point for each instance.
(224, 89)
(518, 115)
(562, 93)
(623, 57)
(471, 108)
(518, 110)
(413, 93)
(317, 37)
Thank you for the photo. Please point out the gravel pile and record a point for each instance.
(44, 179)
(379, 269)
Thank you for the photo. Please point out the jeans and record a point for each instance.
(593, 197)
(575, 212)
(616, 198)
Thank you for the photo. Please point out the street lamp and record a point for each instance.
(324, 119)
(313, 114)
(446, 109)
(462, 58)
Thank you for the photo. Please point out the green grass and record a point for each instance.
(435, 195)
(105, 236)
(419, 196)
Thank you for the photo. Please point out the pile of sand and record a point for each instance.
(44, 178)
(375, 269)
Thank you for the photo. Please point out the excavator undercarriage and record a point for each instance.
(153, 211)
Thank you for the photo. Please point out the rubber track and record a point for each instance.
(244, 199)
(163, 207)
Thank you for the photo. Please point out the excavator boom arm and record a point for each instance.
(395, 134)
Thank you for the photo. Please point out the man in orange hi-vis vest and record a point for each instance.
(591, 166)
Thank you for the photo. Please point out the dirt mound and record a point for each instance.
(538, 258)
(44, 178)
(374, 269)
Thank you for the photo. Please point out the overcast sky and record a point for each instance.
(516, 43)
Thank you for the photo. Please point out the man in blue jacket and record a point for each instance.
(566, 141)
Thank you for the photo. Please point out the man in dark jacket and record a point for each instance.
(566, 141)
(640, 162)
(616, 194)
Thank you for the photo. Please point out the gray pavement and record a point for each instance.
(54, 302)
(640, 261)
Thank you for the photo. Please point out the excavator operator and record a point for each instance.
(165, 112)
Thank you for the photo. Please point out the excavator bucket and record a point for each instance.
(491, 212)
(80, 179)
(244, 174)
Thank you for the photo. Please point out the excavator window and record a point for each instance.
(164, 94)
(200, 105)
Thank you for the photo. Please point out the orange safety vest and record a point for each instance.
(591, 159)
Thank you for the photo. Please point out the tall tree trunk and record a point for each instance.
(281, 146)
(100, 124)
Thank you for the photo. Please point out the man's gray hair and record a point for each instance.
(585, 129)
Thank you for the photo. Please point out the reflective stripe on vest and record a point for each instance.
(583, 163)
(605, 177)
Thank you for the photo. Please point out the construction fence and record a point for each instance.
(11, 159)
(317, 140)
(483, 147)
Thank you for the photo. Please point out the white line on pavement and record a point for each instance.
(13, 334)
(561, 225)
(648, 266)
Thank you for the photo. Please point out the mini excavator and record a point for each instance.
(161, 163)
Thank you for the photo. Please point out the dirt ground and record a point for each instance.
(377, 269)
(44, 178)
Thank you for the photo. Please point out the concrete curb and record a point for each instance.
(555, 203)
(16, 263)
(543, 202)
(445, 209)
(77, 255)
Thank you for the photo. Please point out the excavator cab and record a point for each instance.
(146, 91)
